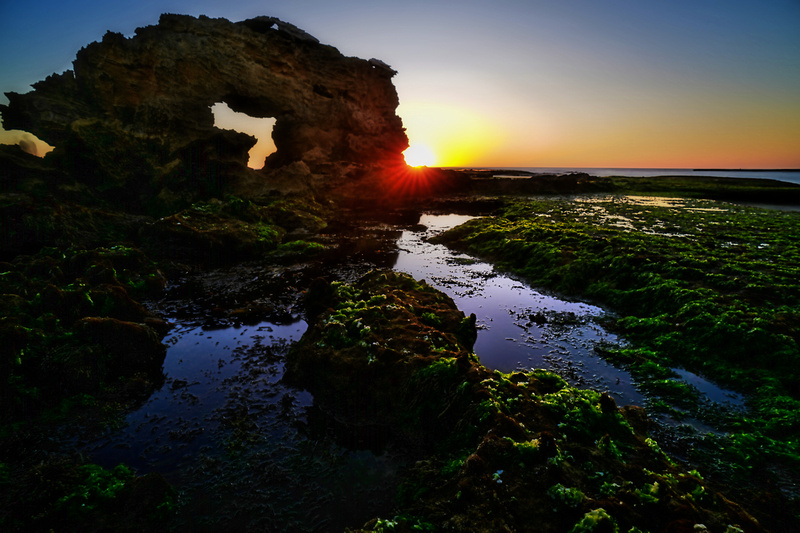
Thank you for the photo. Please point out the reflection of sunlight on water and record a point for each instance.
(597, 207)
(644, 201)
(441, 223)
(647, 201)
(655, 201)
(618, 221)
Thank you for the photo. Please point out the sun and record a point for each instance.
(419, 155)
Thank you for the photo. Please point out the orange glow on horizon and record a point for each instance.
(456, 136)
(496, 133)
(261, 128)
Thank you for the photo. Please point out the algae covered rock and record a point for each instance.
(389, 362)
(370, 343)
(72, 327)
(136, 346)
(196, 236)
(57, 495)
(220, 232)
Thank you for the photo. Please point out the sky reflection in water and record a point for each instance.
(519, 327)
(224, 427)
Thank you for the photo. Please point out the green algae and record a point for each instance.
(299, 248)
(83, 263)
(223, 231)
(492, 451)
(60, 496)
(566, 496)
(595, 520)
(65, 313)
(704, 286)
(28, 223)
(716, 188)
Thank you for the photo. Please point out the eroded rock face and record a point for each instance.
(135, 114)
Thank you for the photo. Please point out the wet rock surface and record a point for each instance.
(75, 343)
(460, 441)
(71, 326)
(374, 340)
(389, 363)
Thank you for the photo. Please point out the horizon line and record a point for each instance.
(692, 169)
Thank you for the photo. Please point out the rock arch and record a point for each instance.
(135, 112)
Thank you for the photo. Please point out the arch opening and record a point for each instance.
(27, 141)
(261, 128)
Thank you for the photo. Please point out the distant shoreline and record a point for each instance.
(627, 169)
(746, 170)
(791, 175)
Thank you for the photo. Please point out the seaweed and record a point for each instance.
(706, 286)
(491, 451)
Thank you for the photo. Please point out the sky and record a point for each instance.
(516, 83)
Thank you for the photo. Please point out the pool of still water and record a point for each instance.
(518, 326)
(236, 441)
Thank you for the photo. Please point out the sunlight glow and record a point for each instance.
(261, 128)
(27, 141)
(458, 136)
(419, 155)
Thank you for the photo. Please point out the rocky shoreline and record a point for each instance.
(144, 196)
(390, 359)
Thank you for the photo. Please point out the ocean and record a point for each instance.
(791, 176)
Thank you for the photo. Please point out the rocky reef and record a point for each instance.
(389, 362)
(142, 190)
(133, 118)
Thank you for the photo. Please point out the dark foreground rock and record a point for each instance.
(389, 361)
(57, 495)
(72, 331)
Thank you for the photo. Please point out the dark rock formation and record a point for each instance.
(69, 326)
(134, 117)
(389, 362)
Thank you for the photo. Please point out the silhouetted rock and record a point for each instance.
(134, 118)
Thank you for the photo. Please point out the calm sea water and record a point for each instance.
(782, 175)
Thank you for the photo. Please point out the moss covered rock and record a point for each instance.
(56, 495)
(71, 326)
(390, 357)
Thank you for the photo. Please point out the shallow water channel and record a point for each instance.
(518, 326)
(247, 451)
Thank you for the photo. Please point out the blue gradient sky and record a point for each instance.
(607, 83)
